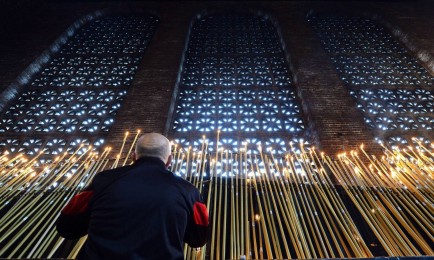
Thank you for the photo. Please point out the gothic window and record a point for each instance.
(235, 77)
(74, 97)
(391, 87)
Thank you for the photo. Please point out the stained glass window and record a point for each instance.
(235, 77)
(74, 97)
(391, 87)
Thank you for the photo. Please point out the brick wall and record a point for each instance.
(334, 122)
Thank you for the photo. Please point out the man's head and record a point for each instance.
(154, 145)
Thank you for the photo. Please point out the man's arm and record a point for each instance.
(74, 217)
(197, 232)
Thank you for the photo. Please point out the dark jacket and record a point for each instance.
(141, 211)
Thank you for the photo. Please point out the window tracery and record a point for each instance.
(75, 96)
(235, 78)
(391, 87)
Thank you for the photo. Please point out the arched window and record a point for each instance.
(235, 77)
(73, 98)
(391, 87)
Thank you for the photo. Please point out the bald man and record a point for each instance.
(140, 211)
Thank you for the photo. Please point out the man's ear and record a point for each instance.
(169, 161)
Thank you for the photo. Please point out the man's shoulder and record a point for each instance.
(111, 173)
(184, 183)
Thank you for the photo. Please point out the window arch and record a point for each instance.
(391, 87)
(235, 77)
(73, 98)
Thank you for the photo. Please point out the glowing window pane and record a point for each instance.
(81, 86)
(236, 78)
(392, 88)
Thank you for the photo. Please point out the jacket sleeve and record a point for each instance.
(74, 218)
(197, 232)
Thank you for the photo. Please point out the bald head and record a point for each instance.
(154, 145)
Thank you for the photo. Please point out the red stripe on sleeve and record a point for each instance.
(78, 204)
(200, 214)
